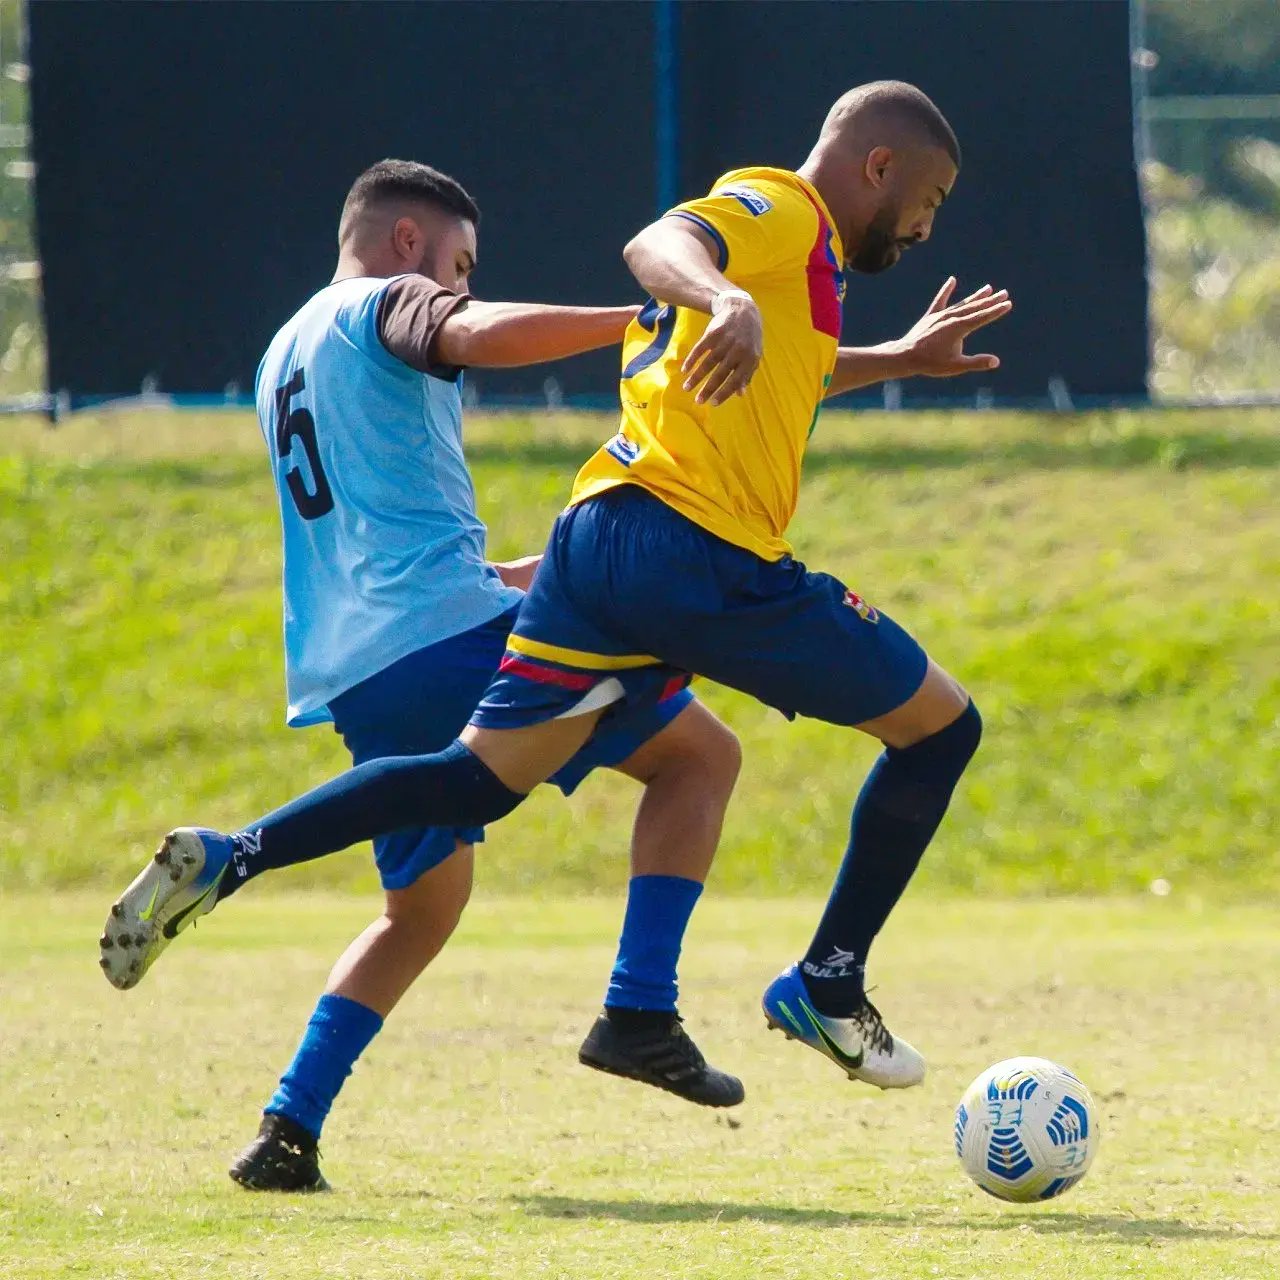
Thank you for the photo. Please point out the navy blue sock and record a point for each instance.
(658, 911)
(452, 788)
(338, 1032)
(898, 809)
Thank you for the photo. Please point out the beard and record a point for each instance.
(880, 247)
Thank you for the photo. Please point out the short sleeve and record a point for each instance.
(411, 310)
(758, 227)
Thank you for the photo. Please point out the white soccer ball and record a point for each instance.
(1026, 1129)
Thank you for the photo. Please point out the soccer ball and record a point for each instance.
(1026, 1130)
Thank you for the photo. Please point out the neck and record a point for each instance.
(821, 171)
(352, 264)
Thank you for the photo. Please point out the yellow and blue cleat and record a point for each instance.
(859, 1044)
(178, 885)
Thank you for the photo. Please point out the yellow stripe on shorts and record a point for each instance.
(579, 657)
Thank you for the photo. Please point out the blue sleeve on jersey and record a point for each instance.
(357, 320)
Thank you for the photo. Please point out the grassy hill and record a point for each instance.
(1104, 585)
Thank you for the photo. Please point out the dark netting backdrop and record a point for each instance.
(192, 160)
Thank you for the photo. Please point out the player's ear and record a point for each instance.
(877, 165)
(408, 241)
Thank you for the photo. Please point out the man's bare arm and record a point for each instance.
(675, 261)
(932, 348)
(518, 573)
(506, 334)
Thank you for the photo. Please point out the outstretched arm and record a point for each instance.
(932, 348)
(505, 334)
(437, 331)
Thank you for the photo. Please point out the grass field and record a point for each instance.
(469, 1144)
(1105, 585)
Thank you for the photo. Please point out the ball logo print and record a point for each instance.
(1025, 1130)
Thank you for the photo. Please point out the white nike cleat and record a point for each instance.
(179, 884)
(861, 1045)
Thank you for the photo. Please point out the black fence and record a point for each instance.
(192, 159)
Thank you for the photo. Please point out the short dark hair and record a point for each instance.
(400, 180)
(904, 104)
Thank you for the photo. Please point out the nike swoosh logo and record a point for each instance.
(171, 927)
(150, 909)
(850, 1060)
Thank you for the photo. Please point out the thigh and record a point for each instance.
(798, 641)
(808, 645)
(623, 730)
(939, 701)
(563, 658)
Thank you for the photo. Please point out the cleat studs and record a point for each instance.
(105, 941)
(175, 874)
(117, 910)
(162, 855)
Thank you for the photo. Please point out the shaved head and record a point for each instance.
(889, 113)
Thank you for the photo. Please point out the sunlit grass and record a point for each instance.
(1105, 586)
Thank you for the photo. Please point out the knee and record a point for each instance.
(429, 910)
(947, 752)
(447, 913)
(725, 757)
(713, 757)
(966, 729)
(920, 779)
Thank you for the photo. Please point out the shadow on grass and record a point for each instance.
(1174, 451)
(1042, 1222)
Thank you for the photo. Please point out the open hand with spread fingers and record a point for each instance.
(934, 345)
(724, 358)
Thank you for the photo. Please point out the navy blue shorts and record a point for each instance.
(631, 597)
(421, 703)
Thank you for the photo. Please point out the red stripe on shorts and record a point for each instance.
(673, 686)
(545, 675)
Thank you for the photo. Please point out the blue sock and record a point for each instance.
(658, 911)
(338, 1032)
(899, 808)
(452, 788)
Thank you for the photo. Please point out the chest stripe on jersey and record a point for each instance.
(825, 279)
(653, 352)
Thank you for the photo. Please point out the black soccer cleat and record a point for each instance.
(660, 1054)
(283, 1157)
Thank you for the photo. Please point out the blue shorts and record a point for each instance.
(631, 592)
(421, 703)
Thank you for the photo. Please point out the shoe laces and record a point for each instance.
(672, 1051)
(871, 1024)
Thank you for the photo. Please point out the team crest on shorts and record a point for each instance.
(860, 607)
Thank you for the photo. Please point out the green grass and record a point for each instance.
(469, 1144)
(1104, 585)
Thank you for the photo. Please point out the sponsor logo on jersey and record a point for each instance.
(861, 607)
(622, 449)
(748, 197)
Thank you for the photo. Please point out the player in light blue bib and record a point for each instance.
(394, 623)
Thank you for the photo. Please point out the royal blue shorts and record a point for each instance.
(421, 703)
(631, 597)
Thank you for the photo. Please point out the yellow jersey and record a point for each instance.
(734, 468)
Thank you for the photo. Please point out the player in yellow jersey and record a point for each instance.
(671, 558)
